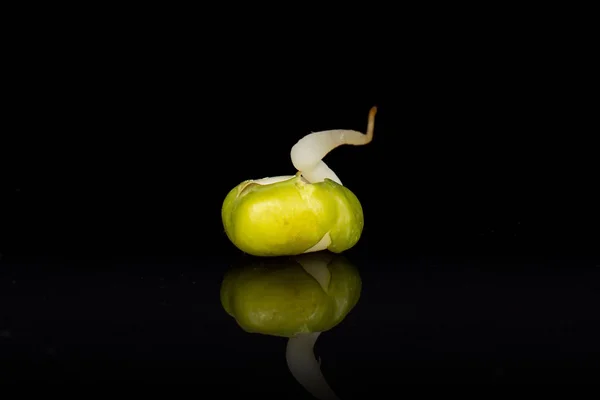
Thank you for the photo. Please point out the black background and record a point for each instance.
(123, 135)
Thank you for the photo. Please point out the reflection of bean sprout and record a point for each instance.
(304, 366)
(297, 298)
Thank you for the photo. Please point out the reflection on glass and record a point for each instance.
(297, 297)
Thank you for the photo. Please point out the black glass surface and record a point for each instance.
(478, 260)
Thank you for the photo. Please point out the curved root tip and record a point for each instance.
(372, 112)
(371, 123)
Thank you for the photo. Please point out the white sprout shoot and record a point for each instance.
(308, 153)
(305, 368)
(321, 244)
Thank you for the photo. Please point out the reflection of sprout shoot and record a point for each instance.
(310, 211)
(305, 368)
(296, 298)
